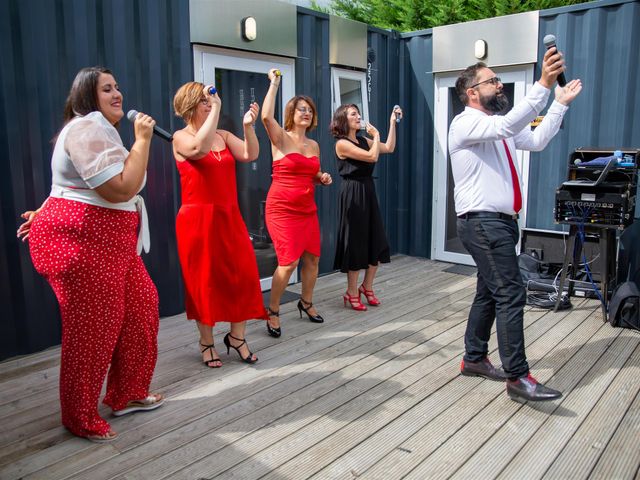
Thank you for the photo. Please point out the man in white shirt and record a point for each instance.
(482, 145)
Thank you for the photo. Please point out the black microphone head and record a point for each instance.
(131, 115)
(549, 41)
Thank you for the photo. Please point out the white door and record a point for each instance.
(241, 78)
(445, 243)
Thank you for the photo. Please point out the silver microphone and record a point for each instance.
(132, 114)
(398, 115)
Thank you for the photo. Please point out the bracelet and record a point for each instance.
(274, 83)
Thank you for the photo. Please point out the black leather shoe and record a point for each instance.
(528, 388)
(482, 369)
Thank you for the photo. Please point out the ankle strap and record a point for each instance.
(306, 303)
(272, 313)
(238, 339)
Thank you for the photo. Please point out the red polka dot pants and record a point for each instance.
(108, 304)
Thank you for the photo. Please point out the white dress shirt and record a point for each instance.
(479, 161)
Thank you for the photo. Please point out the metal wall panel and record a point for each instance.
(417, 97)
(347, 42)
(218, 22)
(146, 44)
(600, 42)
(508, 40)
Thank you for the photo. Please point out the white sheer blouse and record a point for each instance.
(88, 153)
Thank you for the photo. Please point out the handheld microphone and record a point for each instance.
(212, 90)
(132, 114)
(549, 42)
(398, 115)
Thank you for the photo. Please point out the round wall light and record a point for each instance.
(480, 49)
(249, 28)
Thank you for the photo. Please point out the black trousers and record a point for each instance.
(500, 292)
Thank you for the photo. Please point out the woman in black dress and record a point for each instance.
(362, 242)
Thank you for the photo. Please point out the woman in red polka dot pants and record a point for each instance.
(84, 240)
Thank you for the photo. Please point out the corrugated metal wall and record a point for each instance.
(146, 44)
(44, 43)
(313, 78)
(601, 48)
(416, 93)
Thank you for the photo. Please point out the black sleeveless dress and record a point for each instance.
(362, 240)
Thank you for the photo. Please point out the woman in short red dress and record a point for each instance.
(291, 212)
(219, 266)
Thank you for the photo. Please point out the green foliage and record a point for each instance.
(410, 15)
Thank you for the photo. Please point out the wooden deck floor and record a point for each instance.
(374, 395)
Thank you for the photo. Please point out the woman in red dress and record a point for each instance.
(216, 255)
(291, 212)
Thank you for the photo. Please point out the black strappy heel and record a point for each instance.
(227, 342)
(213, 359)
(314, 318)
(273, 331)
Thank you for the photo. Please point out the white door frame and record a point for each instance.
(207, 59)
(522, 78)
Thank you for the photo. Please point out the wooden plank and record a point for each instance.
(583, 450)
(402, 369)
(386, 426)
(621, 457)
(470, 416)
(341, 399)
(508, 431)
(33, 401)
(342, 377)
(305, 405)
(172, 414)
(558, 429)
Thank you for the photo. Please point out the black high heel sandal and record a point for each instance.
(214, 362)
(314, 318)
(227, 342)
(273, 331)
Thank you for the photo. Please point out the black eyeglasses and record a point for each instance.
(492, 81)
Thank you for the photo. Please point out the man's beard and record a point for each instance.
(496, 103)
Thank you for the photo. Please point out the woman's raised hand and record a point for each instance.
(371, 130)
(143, 127)
(395, 114)
(252, 114)
(213, 98)
(275, 76)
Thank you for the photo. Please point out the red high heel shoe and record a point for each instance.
(355, 302)
(371, 297)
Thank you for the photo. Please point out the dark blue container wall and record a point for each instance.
(416, 148)
(313, 78)
(601, 48)
(146, 44)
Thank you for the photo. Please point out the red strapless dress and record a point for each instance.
(216, 255)
(291, 212)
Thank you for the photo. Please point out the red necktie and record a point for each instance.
(517, 195)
